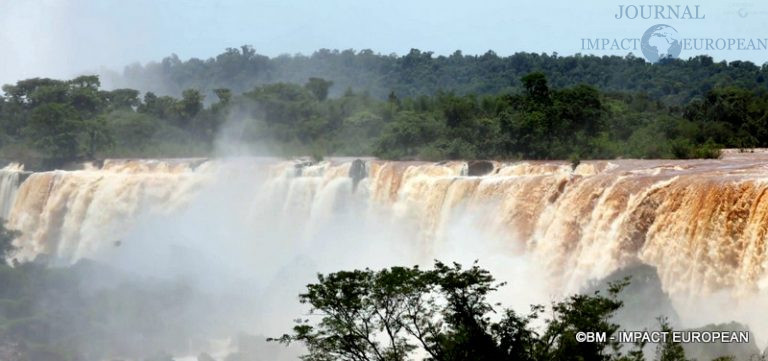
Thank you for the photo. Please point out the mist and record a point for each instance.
(209, 255)
(230, 242)
(143, 259)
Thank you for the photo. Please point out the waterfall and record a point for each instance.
(9, 185)
(702, 223)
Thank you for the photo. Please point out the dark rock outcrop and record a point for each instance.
(357, 171)
(479, 167)
(299, 167)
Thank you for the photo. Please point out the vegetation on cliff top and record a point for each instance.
(417, 73)
(49, 123)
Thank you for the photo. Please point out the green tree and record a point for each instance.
(97, 136)
(131, 132)
(669, 350)
(83, 95)
(224, 95)
(319, 87)
(54, 130)
(582, 313)
(444, 313)
(407, 134)
(123, 99)
(536, 88)
(190, 105)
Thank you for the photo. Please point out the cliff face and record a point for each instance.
(701, 223)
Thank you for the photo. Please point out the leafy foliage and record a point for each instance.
(669, 350)
(417, 73)
(444, 313)
(49, 123)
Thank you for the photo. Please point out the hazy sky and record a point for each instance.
(61, 38)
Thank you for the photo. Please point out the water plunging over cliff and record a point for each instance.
(701, 223)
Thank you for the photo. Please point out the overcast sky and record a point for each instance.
(61, 38)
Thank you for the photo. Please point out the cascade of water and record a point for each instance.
(701, 223)
(9, 185)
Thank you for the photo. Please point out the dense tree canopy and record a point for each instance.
(49, 123)
(443, 314)
(424, 73)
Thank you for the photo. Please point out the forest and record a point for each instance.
(673, 81)
(49, 123)
(414, 107)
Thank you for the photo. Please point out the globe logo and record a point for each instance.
(660, 42)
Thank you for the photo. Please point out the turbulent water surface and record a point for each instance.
(701, 223)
